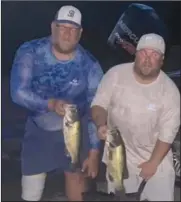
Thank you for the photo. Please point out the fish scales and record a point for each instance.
(116, 165)
(72, 134)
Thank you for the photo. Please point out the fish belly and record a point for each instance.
(115, 167)
(72, 138)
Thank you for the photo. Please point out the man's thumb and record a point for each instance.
(140, 165)
(84, 166)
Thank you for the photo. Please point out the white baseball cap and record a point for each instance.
(69, 14)
(152, 41)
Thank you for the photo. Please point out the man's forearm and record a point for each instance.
(99, 115)
(93, 139)
(160, 151)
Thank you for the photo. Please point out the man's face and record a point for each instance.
(148, 63)
(65, 37)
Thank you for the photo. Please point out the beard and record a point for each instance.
(146, 72)
(65, 48)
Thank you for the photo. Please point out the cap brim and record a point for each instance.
(68, 21)
(150, 47)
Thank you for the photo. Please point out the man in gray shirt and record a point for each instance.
(144, 103)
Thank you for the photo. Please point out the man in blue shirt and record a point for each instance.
(46, 74)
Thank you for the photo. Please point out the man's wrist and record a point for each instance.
(94, 153)
(101, 125)
(154, 161)
(51, 104)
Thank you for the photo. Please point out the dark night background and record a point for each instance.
(23, 21)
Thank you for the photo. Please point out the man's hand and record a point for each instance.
(91, 165)
(58, 106)
(148, 169)
(102, 132)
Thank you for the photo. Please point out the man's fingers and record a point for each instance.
(140, 165)
(60, 113)
(89, 173)
(103, 131)
(144, 176)
(61, 107)
(83, 169)
(59, 110)
(94, 175)
(84, 166)
(102, 136)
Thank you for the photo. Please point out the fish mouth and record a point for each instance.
(111, 144)
(70, 106)
(114, 138)
(71, 113)
(69, 122)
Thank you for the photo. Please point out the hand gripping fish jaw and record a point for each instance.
(71, 113)
(72, 135)
(114, 138)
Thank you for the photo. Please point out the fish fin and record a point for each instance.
(110, 177)
(74, 167)
(67, 152)
(125, 169)
(110, 155)
(67, 124)
(119, 185)
(76, 164)
(125, 174)
(120, 195)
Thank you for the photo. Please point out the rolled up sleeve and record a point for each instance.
(170, 117)
(105, 90)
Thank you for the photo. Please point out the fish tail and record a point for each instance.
(119, 185)
(120, 195)
(74, 167)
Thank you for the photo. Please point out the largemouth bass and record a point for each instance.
(72, 133)
(116, 163)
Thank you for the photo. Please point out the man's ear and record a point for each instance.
(52, 26)
(162, 59)
(80, 33)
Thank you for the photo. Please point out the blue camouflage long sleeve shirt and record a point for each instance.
(37, 75)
